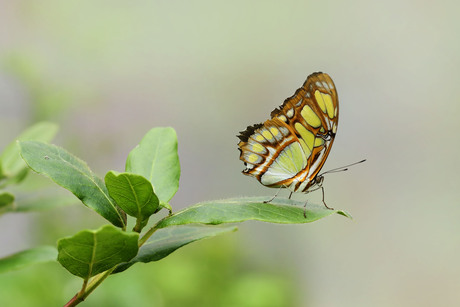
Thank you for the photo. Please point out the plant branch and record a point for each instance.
(94, 283)
(149, 233)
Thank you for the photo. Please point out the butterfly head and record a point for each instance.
(315, 184)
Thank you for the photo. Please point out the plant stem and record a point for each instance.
(94, 283)
(149, 233)
(83, 288)
(74, 301)
(137, 227)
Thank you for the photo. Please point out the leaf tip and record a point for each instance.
(345, 214)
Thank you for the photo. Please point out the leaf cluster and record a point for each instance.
(150, 181)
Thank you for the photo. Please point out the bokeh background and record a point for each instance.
(108, 71)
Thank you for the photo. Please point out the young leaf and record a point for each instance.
(166, 206)
(91, 252)
(72, 174)
(156, 159)
(28, 257)
(11, 164)
(165, 241)
(6, 200)
(251, 208)
(134, 194)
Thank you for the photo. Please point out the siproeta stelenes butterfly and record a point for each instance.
(289, 150)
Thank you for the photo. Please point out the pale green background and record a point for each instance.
(108, 71)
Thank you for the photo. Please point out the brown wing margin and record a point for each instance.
(324, 84)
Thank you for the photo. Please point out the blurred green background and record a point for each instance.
(108, 71)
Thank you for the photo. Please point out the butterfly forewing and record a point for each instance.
(290, 149)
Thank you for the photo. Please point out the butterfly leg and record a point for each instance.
(305, 209)
(290, 194)
(322, 190)
(267, 201)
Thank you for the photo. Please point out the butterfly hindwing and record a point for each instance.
(289, 149)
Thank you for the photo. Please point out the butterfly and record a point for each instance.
(289, 149)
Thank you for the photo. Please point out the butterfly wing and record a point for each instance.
(272, 153)
(290, 149)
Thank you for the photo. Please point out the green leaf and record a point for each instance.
(156, 159)
(134, 194)
(72, 174)
(91, 252)
(165, 241)
(166, 206)
(11, 164)
(28, 257)
(283, 211)
(6, 200)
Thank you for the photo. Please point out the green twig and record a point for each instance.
(86, 290)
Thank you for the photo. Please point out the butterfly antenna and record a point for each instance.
(342, 168)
